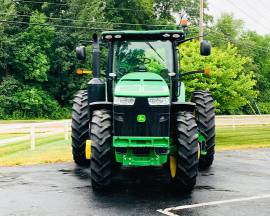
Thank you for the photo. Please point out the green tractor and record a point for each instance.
(137, 114)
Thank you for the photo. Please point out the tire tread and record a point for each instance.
(205, 118)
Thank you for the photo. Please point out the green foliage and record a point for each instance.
(141, 12)
(155, 66)
(191, 7)
(20, 102)
(34, 64)
(264, 107)
(34, 102)
(229, 82)
(258, 47)
(227, 29)
(7, 9)
(35, 42)
(249, 44)
(37, 58)
(7, 89)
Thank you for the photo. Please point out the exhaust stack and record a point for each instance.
(96, 57)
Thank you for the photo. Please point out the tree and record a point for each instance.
(258, 48)
(226, 30)
(8, 87)
(230, 83)
(166, 9)
(7, 11)
(34, 102)
(35, 42)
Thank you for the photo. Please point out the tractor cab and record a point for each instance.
(145, 51)
(138, 114)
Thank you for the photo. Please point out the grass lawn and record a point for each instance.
(19, 134)
(24, 121)
(11, 135)
(48, 150)
(55, 149)
(243, 137)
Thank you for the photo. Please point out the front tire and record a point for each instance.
(101, 149)
(80, 127)
(205, 118)
(187, 152)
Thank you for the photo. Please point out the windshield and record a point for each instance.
(143, 56)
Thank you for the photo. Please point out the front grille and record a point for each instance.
(156, 124)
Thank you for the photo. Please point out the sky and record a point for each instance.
(255, 13)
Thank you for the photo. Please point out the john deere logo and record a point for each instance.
(141, 118)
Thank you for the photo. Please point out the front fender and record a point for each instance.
(182, 106)
(99, 105)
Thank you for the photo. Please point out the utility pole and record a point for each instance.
(201, 19)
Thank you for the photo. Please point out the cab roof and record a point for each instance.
(143, 35)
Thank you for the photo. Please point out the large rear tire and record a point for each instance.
(187, 152)
(101, 149)
(80, 127)
(205, 118)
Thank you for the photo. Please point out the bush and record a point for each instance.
(37, 103)
(24, 102)
(264, 107)
(232, 86)
(8, 87)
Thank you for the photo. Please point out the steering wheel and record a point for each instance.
(141, 68)
(144, 60)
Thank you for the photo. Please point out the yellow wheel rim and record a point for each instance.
(199, 151)
(88, 149)
(173, 164)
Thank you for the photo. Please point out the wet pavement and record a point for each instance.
(65, 189)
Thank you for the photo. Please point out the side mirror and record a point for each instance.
(81, 52)
(205, 48)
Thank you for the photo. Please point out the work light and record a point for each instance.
(158, 101)
(129, 101)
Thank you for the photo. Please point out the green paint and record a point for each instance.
(142, 84)
(202, 141)
(141, 118)
(152, 159)
(123, 141)
(201, 138)
(182, 93)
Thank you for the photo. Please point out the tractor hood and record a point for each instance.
(142, 84)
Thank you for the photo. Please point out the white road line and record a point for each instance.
(167, 210)
(167, 213)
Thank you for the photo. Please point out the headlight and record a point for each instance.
(156, 101)
(124, 101)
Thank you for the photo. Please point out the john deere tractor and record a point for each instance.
(137, 114)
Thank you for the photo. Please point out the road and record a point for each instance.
(238, 180)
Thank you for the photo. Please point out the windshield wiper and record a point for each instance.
(150, 45)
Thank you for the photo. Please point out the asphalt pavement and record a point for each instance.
(238, 183)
